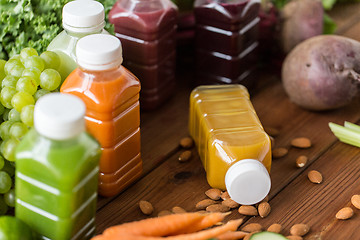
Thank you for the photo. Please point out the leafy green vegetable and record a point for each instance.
(32, 23)
(329, 25)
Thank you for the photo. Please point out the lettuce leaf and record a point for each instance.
(32, 23)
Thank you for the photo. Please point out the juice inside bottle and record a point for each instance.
(226, 41)
(80, 18)
(147, 31)
(111, 95)
(57, 171)
(231, 141)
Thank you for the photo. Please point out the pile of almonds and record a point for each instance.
(348, 212)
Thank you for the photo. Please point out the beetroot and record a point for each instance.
(300, 20)
(322, 72)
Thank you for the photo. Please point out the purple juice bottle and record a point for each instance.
(226, 41)
(147, 31)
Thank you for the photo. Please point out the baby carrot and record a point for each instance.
(209, 233)
(232, 235)
(209, 220)
(160, 226)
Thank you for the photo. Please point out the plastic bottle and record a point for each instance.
(232, 144)
(111, 95)
(57, 171)
(147, 30)
(226, 41)
(80, 18)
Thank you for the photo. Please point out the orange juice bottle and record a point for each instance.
(232, 144)
(111, 96)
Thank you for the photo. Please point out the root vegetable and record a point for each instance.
(322, 72)
(300, 20)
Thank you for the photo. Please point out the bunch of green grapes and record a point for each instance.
(24, 78)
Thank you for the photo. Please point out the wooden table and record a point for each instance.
(293, 198)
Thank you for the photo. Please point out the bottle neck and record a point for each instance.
(83, 31)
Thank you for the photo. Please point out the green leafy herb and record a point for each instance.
(32, 23)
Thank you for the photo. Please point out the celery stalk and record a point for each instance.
(349, 134)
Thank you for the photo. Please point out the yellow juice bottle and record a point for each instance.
(232, 144)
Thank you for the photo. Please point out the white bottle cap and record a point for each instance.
(247, 181)
(59, 116)
(99, 52)
(83, 16)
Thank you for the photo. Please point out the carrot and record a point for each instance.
(232, 235)
(202, 235)
(209, 220)
(160, 226)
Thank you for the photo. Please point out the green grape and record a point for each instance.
(17, 70)
(6, 114)
(27, 115)
(9, 198)
(2, 162)
(51, 59)
(18, 130)
(39, 93)
(50, 79)
(14, 115)
(2, 109)
(10, 64)
(9, 147)
(33, 73)
(21, 99)
(8, 167)
(9, 81)
(2, 70)
(27, 84)
(5, 182)
(3, 206)
(5, 129)
(27, 52)
(16, 57)
(6, 95)
(34, 61)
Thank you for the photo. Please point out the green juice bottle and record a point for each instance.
(57, 171)
(79, 19)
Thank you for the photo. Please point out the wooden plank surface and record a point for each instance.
(168, 183)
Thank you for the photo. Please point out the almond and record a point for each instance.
(279, 152)
(177, 209)
(299, 229)
(344, 213)
(186, 142)
(264, 209)
(301, 142)
(272, 142)
(301, 161)
(146, 207)
(248, 210)
(248, 236)
(274, 132)
(203, 204)
(355, 200)
(230, 203)
(217, 208)
(224, 195)
(213, 193)
(293, 237)
(185, 156)
(315, 176)
(276, 228)
(164, 213)
(252, 227)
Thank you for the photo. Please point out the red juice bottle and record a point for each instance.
(226, 41)
(147, 31)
